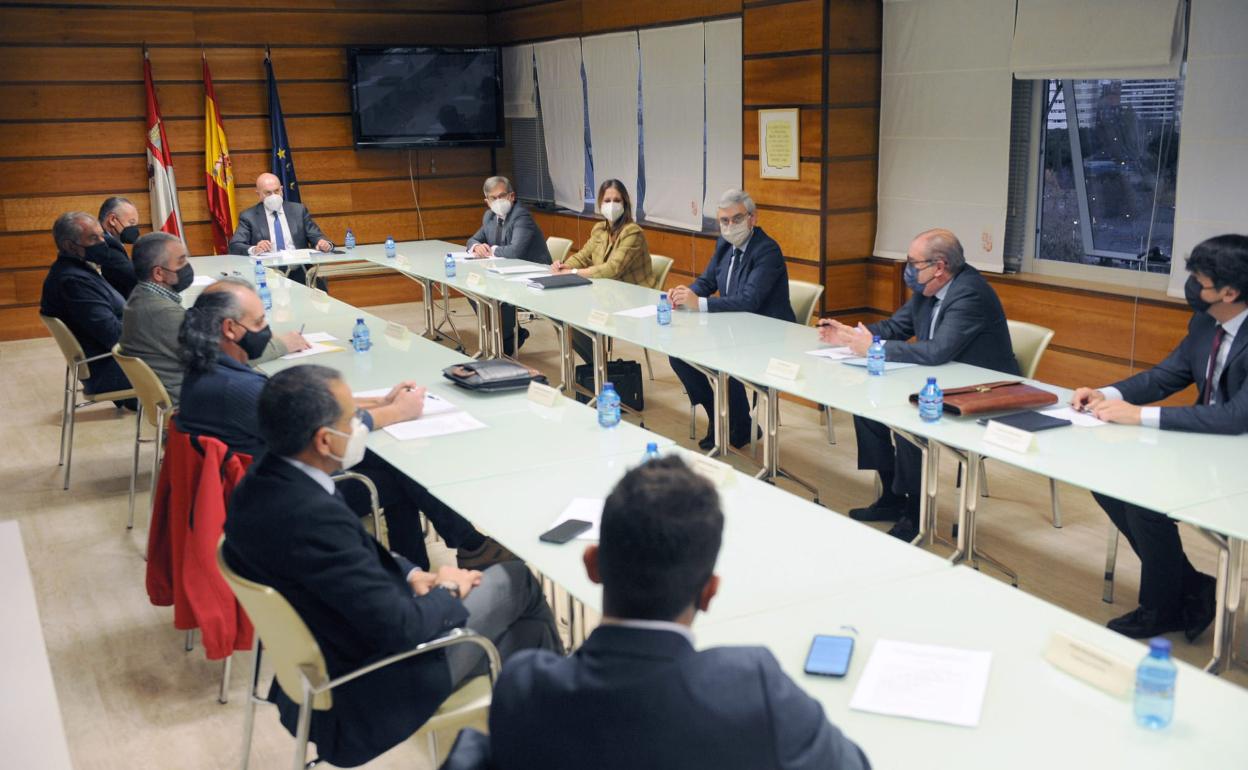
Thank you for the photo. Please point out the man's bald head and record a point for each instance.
(941, 245)
(267, 184)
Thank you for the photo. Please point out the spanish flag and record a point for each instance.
(218, 172)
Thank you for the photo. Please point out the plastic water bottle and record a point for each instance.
(608, 406)
(665, 310)
(350, 239)
(931, 401)
(450, 265)
(360, 341)
(652, 453)
(1154, 686)
(875, 357)
(258, 268)
(390, 248)
(266, 296)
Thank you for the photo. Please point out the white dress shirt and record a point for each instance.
(281, 217)
(731, 266)
(931, 330)
(650, 625)
(317, 475)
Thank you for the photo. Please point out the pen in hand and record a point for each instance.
(301, 328)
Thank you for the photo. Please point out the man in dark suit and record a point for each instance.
(748, 271)
(508, 232)
(1173, 595)
(289, 529)
(637, 694)
(276, 224)
(120, 220)
(76, 293)
(955, 316)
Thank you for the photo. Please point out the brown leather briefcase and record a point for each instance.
(1004, 396)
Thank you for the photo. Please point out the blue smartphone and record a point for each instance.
(829, 655)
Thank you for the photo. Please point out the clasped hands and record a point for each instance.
(1093, 401)
(423, 582)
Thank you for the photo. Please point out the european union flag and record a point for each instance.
(281, 163)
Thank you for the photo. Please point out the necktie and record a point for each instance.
(931, 328)
(277, 233)
(732, 267)
(1211, 387)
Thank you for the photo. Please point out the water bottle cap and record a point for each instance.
(875, 338)
(608, 386)
(931, 380)
(652, 447)
(1159, 647)
(359, 320)
(662, 295)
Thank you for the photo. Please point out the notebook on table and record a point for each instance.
(560, 281)
(1031, 422)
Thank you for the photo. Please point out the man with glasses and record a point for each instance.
(953, 315)
(748, 272)
(508, 232)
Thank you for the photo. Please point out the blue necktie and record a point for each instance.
(732, 266)
(277, 233)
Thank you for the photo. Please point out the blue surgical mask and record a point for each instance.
(911, 277)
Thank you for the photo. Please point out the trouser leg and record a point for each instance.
(909, 476)
(738, 413)
(402, 511)
(583, 346)
(696, 385)
(455, 530)
(1165, 572)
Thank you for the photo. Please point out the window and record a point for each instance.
(1107, 166)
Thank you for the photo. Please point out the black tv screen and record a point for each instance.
(405, 97)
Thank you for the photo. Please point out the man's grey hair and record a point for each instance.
(199, 339)
(942, 245)
(495, 181)
(112, 204)
(152, 251)
(69, 226)
(732, 197)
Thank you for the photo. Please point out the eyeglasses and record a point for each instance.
(492, 198)
(736, 220)
(919, 264)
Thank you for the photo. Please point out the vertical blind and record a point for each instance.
(672, 94)
(723, 110)
(518, 91)
(1083, 39)
(611, 64)
(562, 98)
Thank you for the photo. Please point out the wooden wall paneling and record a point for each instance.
(855, 25)
(884, 285)
(853, 79)
(546, 20)
(464, 6)
(845, 285)
(69, 25)
(367, 290)
(55, 101)
(849, 236)
(851, 184)
(8, 289)
(125, 64)
(853, 131)
(797, 233)
(802, 193)
(20, 323)
(232, 27)
(809, 126)
(598, 16)
(795, 26)
(29, 250)
(802, 271)
(784, 80)
(453, 161)
(449, 191)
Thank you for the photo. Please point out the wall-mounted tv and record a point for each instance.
(423, 97)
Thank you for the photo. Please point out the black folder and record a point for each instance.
(1031, 421)
(560, 281)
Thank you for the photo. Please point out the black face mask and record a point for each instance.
(186, 276)
(254, 343)
(1192, 290)
(129, 234)
(96, 252)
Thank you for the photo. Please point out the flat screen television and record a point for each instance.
(426, 97)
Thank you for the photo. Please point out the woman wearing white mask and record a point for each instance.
(616, 249)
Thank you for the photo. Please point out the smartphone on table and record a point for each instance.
(830, 655)
(564, 532)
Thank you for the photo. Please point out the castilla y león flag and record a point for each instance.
(218, 173)
(161, 187)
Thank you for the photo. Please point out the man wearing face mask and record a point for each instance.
(508, 232)
(954, 315)
(154, 312)
(76, 293)
(748, 272)
(120, 220)
(276, 224)
(288, 529)
(1173, 595)
(224, 331)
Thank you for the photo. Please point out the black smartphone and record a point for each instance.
(565, 531)
(829, 655)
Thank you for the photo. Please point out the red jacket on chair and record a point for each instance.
(197, 477)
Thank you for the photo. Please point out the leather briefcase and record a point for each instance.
(493, 374)
(1003, 396)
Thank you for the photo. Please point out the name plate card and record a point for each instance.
(783, 370)
(1091, 664)
(474, 279)
(320, 300)
(599, 317)
(719, 474)
(400, 259)
(398, 337)
(543, 394)
(1009, 437)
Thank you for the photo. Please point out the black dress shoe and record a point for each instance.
(1200, 608)
(707, 442)
(1144, 623)
(890, 509)
(509, 346)
(904, 529)
(740, 441)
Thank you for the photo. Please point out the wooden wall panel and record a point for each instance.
(797, 233)
(787, 80)
(884, 285)
(46, 102)
(849, 236)
(851, 184)
(801, 193)
(796, 26)
(855, 25)
(537, 22)
(124, 64)
(845, 286)
(809, 126)
(599, 16)
(853, 79)
(853, 131)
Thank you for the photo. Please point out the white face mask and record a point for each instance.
(736, 234)
(273, 203)
(501, 208)
(612, 211)
(356, 441)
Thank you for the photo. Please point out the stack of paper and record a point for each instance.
(645, 311)
(1081, 419)
(517, 269)
(316, 348)
(924, 681)
(437, 425)
(836, 354)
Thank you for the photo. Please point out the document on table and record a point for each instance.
(316, 349)
(517, 269)
(584, 509)
(924, 681)
(203, 280)
(888, 365)
(836, 354)
(645, 311)
(465, 256)
(290, 255)
(434, 404)
(436, 425)
(1077, 418)
(319, 337)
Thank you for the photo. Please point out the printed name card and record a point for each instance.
(543, 394)
(474, 279)
(1008, 437)
(599, 318)
(784, 370)
(1091, 664)
(396, 330)
(401, 259)
(719, 474)
(320, 300)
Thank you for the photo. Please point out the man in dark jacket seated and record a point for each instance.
(288, 528)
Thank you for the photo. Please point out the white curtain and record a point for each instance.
(611, 63)
(563, 118)
(518, 91)
(1085, 39)
(723, 110)
(945, 125)
(672, 124)
(1212, 192)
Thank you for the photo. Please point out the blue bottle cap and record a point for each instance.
(875, 338)
(652, 447)
(662, 295)
(931, 380)
(1159, 646)
(608, 386)
(359, 320)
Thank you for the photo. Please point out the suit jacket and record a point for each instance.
(117, 269)
(1187, 364)
(75, 293)
(626, 259)
(970, 328)
(286, 531)
(253, 227)
(519, 237)
(632, 698)
(760, 285)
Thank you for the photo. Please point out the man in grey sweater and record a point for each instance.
(154, 312)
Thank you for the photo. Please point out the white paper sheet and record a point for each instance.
(440, 425)
(203, 280)
(319, 337)
(645, 311)
(585, 509)
(1078, 419)
(888, 365)
(434, 404)
(290, 255)
(467, 256)
(316, 349)
(517, 269)
(836, 354)
(923, 681)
